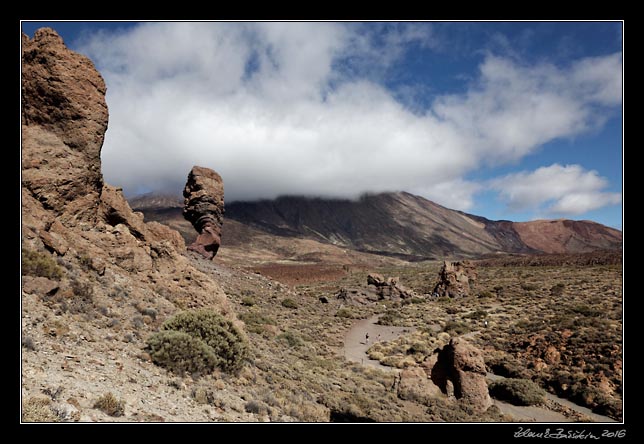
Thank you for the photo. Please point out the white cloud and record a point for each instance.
(564, 190)
(278, 108)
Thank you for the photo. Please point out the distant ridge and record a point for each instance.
(401, 225)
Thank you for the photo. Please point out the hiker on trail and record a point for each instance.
(378, 338)
(485, 324)
(367, 338)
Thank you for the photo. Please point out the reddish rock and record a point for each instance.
(39, 285)
(204, 209)
(455, 279)
(64, 118)
(378, 289)
(461, 366)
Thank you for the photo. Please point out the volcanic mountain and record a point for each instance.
(392, 224)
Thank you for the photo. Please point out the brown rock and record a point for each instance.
(462, 365)
(64, 118)
(551, 355)
(39, 285)
(378, 289)
(415, 385)
(455, 279)
(204, 209)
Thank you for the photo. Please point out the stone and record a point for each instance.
(461, 365)
(204, 209)
(378, 289)
(455, 279)
(64, 119)
(415, 385)
(39, 285)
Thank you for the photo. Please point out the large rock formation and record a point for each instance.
(460, 370)
(67, 210)
(378, 289)
(455, 279)
(64, 119)
(204, 208)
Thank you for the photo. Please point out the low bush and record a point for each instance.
(224, 339)
(37, 263)
(109, 404)
(456, 328)
(518, 391)
(289, 303)
(180, 352)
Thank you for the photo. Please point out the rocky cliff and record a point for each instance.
(90, 264)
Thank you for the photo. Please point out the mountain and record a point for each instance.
(397, 224)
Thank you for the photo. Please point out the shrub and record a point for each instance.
(289, 303)
(345, 313)
(557, 289)
(478, 314)
(28, 343)
(38, 410)
(247, 301)
(109, 404)
(179, 352)
(456, 327)
(292, 339)
(518, 391)
(217, 332)
(529, 287)
(36, 263)
(485, 294)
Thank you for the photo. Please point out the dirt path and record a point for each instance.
(356, 345)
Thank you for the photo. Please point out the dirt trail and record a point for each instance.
(356, 345)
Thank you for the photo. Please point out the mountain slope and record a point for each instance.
(399, 224)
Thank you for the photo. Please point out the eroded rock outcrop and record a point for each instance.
(64, 119)
(460, 370)
(378, 289)
(456, 279)
(204, 209)
(67, 209)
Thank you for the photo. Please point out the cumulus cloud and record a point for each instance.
(556, 189)
(289, 108)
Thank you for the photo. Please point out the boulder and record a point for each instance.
(204, 209)
(455, 279)
(460, 368)
(378, 289)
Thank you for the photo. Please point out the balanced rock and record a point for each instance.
(204, 209)
(455, 279)
(461, 366)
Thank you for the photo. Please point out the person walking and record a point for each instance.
(367, 338)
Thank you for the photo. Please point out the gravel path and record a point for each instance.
(356, 345)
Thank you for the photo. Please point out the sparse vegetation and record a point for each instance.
(291, 338)
(289, 303)
(109, 404)
(38, 410)
(37, 263)
(518, 391)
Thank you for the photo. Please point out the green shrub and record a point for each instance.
(289, 303)
(345, 313)
(180, 352)
(36, 263)
(485, 294)
(110, 405)
(292, 339)
(247, 301)
(217, 332)
(456, 327)
(38, 410)
(478, 314)
(518, 391)
(529, 287)
(557, 289)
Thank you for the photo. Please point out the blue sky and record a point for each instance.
(507, 120)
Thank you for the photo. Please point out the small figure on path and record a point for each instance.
(485, 323)
(367, 338)
(378, 338)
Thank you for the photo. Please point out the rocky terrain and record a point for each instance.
(100, 281)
